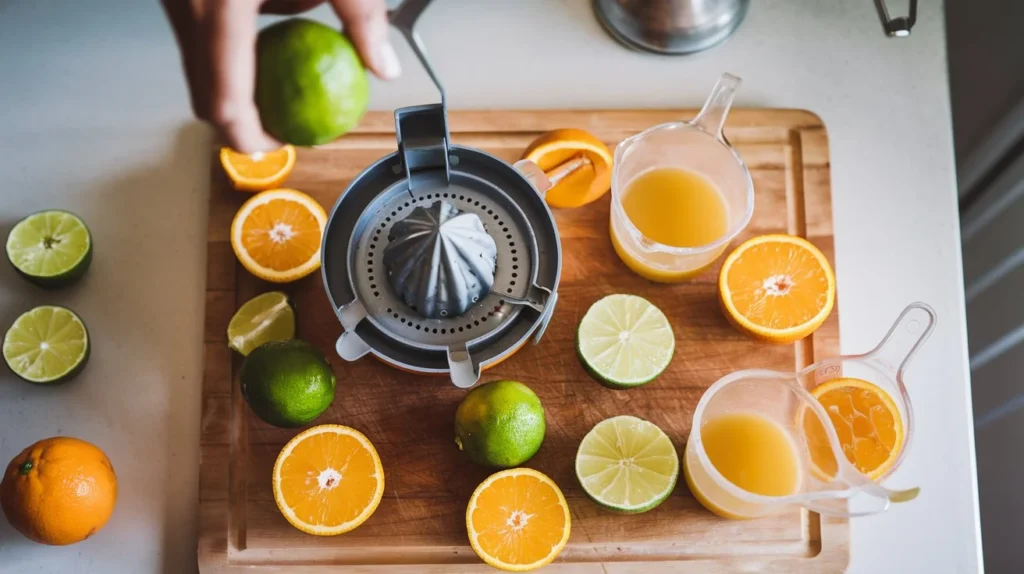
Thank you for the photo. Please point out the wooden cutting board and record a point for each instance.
(420, 525)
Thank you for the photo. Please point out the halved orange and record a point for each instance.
(588, 181)
(276, 235)
(867, 423)
(518, 520)
(260, 170)
(777, 288)
(328, 480)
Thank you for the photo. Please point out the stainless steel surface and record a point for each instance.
(404, 18)
(376, 320)
(670, 26)
(439, 259)
(900, 26)
(445, 313)
(481, 320)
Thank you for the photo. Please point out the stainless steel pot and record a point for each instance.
(671, 26)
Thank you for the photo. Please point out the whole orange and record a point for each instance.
(59, 491)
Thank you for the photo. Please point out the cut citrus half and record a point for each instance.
(264, 318)
(627, 464)
(328, 480)
(777, 288)
(48, 344)
(624, 341)
(50, 248)
(867, 422)
(276, 235)
(579, 164)
(518, 520)
(260, 170)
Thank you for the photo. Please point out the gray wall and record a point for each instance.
(986, 64)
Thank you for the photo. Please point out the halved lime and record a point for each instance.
(48, 344)
(627, 464)
(50, 248)
(264, 318)
(624, 341)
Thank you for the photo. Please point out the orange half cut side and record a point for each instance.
(518, 520)
(328, 480)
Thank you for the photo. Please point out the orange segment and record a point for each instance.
(582, 185)
(867, 423)
(276, 235)
(258, 171)
(328, 480)
(518, 520)
(777, 288)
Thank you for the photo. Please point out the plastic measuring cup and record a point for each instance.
(697, 146)
(783, 399)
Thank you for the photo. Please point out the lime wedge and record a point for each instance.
(624, 341)
(50, 248)
(48, 344)
(627, 464)
(264, 318)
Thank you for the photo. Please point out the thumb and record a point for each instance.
(366, 23)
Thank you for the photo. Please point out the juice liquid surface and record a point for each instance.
(750, 451)
(676, 207)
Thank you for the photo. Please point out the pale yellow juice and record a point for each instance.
(673, 207)
(750, 451)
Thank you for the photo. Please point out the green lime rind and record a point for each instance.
(500, 424)
(624, 341)
(50, 248)
(627, 465)
(311, 86)
(47, 345)
(264, 318)
(288, 383)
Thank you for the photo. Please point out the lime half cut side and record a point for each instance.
(50, 248)
(48, 344)
(627, 464)
(624, 341)
(264, 318)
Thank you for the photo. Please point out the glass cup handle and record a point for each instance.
(712, 116)
(911, 329)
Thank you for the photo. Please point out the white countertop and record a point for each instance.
(94, 117)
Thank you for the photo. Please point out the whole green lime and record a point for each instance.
(500, 424)
(311, 86)
(287, 383)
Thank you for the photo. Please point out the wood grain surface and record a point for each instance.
(420, 524)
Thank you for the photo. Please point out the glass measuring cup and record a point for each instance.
(697, 146)
(837, 488)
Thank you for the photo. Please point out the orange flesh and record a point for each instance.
(519, 519)
(778, 285)
(281, 235)
(867, 425)
(328, 479)
(257, 166)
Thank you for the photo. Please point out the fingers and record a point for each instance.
(229, 43)
(366, 23)
(288, 7)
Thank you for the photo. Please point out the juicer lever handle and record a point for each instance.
(404, 18)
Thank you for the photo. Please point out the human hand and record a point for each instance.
(217, 39)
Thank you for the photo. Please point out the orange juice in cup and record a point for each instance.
(680, 193)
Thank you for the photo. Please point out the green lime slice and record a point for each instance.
(264, 318)
(627, 464)
(624, 341)
(50, 248)
(48, 344)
